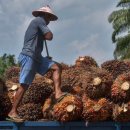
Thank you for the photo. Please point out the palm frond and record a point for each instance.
(122, 46)
(122, 28)
(117, 14)
(126, 55)
(124, 3)
(122, 20)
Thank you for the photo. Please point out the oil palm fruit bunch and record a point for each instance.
(49, 74)
(74, 79)
(37, 92)
(70, 78)
(47, 111)
(64, 66)
(100, 84)
(15, 79)
(127, 61)
(77, 90)
(12, 72)
(5, 106)
(12, 87)
(120, 91)
(116, 67)
(121, 112)
(42, 79)
(68, 109)
(3, 87)
(47, 108)
(12, 83)
(96, 110)
(85, 61)
(30, 111)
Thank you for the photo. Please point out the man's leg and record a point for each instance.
(17, 99)
(57, 70)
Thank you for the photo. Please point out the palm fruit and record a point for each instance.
(3, 87)
(116, 67)
(85, 61)
(49, 74)
(43, 79)
(5, 106)
(37, 92)
(30, 111)
(100, 84)
(68, 109)
(120, 91)
(127, 61)
(74, 79)
(69, 79)
(12, 87)
(12, 72)
(64, 66)
(15, 79)
(77, 90)
(96, 110)
(47, 109)
(121, 113)
(10, 84)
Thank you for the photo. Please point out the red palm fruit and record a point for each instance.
(37, 92)
(47, 110)
(12, 87)
(121, 113)
(116, 67)
(120, 91)
(68, 109)
(30, 111)
(73, 78)
(99, 85)
(5, 106)
(64, 66)
(85, 61)
(12, 72)
(3, 87)
(96, 110)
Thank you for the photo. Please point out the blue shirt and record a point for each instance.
(33, 40)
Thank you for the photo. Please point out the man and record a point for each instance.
(31, 60)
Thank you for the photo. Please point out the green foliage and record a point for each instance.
(122, 47)
(120, 20)
(124, 3)
(6, 61)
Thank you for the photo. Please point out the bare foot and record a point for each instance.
(13, 113)
(13, 116)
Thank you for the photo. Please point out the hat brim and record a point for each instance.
(51, 18)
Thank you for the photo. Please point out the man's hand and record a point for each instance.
(48, 36)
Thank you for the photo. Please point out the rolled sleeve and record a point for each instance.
(42, 26)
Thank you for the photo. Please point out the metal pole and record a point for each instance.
(47, 49)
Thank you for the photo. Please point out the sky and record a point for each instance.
(82, 28)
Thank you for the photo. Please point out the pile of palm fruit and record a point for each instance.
(93, 93)
(34, 97)
(5, 103)
(120, 92)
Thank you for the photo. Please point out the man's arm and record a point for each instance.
(48, 36)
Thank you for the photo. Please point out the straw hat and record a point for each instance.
(45, 10)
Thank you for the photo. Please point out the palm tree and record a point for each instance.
(120, 20)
